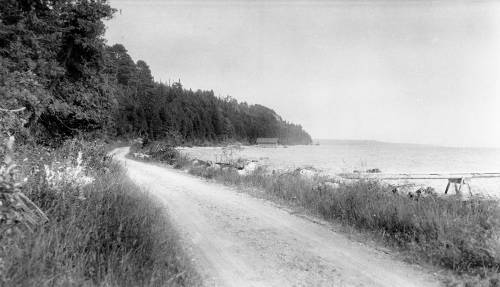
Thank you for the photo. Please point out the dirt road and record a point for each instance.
(239, 240)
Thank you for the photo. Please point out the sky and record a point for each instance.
(425, 72)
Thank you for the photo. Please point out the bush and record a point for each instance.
(103, 233)
(158, 151)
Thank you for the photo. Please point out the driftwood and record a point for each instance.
(457, 179)
(13, 111)
(398, 176)
(231, 165)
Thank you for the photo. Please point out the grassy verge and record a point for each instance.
(102, 232)
(462, 236)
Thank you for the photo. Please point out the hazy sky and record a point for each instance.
(402, 71)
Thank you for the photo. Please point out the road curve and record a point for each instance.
(238, 240)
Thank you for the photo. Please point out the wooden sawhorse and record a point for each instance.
(458, 182)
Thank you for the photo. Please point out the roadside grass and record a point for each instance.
(459, 235)
(106, 232)
(456, 234)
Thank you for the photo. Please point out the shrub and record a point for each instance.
(103, 233)
(156, 150)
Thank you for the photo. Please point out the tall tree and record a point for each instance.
(59, 44)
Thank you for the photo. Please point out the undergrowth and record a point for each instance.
(103, 231)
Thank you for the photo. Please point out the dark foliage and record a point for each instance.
(55, 48)
(156, 110)
(54, 62)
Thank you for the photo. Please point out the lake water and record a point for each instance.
(334, 156)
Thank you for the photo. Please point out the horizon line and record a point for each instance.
(405, 143)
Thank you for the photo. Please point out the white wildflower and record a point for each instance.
(63, 174)
(79, 159)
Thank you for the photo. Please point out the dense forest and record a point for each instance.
(55, 62)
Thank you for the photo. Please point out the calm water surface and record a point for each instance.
(345, 156)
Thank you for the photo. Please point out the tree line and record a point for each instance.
(55, 62)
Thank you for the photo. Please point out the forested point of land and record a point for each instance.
(55, 62)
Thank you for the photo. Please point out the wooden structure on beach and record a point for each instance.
(267, 142)
(459, 180)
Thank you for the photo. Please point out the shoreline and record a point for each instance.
(263, 235)
(433, 229)
(427, 228)
(310, 158)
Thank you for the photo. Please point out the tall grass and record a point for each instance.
(104, 233)
(448, 231)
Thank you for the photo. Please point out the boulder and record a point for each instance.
(308, 172)
(141, 155)
(249, 168)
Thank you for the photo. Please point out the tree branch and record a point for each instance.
(13, 111)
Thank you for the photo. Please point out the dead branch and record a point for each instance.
(13, 111)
